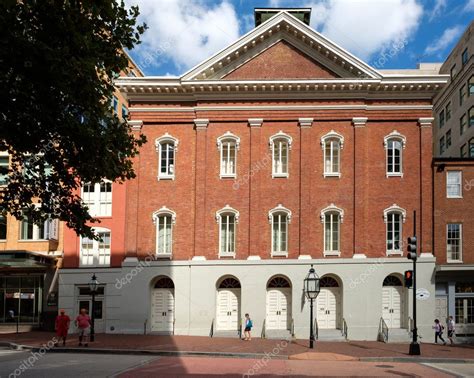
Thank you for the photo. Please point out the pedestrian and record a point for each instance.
(62, 326)
(451, 329)
(83, 322)
(438, 327)
(248, 328)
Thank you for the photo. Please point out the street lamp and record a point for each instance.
(93, 286)
(311, 290)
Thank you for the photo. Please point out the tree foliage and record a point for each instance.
(57, 61)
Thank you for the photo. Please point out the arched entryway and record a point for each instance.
(329, 303)
(278, 315)
(393, 301)
(162, 305)
(228, 304)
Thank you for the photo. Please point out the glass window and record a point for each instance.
(463, 151)
(448, 111)
(280, 157)
(471, 148)
(453, 186)
(462, 95)
(228, 153)
(471, 116)
(31, 231)
(166, 160)
(448, 138)
(332, 222)
(441, 145)
(115, 104)
(471, 86)
(164, 241)
(332, 153)
(454, 242)
(394, 156)
(464, 57)
(227, 234)
(464, 308)
(280, 233)
(462, 124)
(124, 112)
(96, 252)
(4, 165)
(98, 198)
(453, 71)
(394, 231)
(441, 118)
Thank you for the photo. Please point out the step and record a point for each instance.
(398, 335)
(330, 335)
(11, 328)
(278, 334)
(225, 334)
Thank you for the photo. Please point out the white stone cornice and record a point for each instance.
(226, 210)
(332, 135)
(332, 209)
(425, 122)
(135, 125)
(255, 122)
(228, 136)
(201, 123)
(359, 121)
(305, 122)
(394, 209)
(281, 135)
(166, 138)
(279, 209)
(395, 135)
(164, 211)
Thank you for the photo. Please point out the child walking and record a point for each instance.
(438, 327)
(248, 327)
(451, 329)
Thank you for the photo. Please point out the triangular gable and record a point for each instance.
(282, 27)
(281, 61)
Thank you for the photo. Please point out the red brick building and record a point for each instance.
(281, 151)
(453, 188)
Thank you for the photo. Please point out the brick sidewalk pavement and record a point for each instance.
(357, 349)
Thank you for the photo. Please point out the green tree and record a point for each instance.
(58, 59)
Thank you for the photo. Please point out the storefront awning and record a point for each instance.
(12, 260)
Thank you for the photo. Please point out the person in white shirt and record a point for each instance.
(451, 329)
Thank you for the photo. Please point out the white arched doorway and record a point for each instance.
(393, 301)
(329, 304)
(162, 306)
(278, 304)
(228, 304)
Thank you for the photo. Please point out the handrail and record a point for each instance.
(211, 333)
(410, 325)
(383, 330)
(262, 335)
(316, 329)
(292, 328)
(239, 328)
(344, 328)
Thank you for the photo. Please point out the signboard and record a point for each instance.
(52, 299)
(422, 294)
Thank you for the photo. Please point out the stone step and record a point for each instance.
(398, 335)
(225, 334)
(330, 335)
(278, 334)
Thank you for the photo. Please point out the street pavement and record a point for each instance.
(67, 365)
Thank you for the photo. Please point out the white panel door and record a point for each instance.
(278, 308)
(162, 310)
(227, 309)
(328, 303)
(392, 305)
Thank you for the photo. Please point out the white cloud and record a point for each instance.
(185, 32)
(446, 39)
(440, 6)
(365, 27)
(469, 7)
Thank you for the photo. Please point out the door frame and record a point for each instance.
(151, 311)
(289, 304)
(238, 294)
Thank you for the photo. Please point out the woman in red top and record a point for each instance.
(62, 326)
(83, 323)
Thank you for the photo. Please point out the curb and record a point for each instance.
(421, 360)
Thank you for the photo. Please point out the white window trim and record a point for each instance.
(332, 209)
(94, 210)
(460, 184)
(279, 209)
(289, 140)
(394, 135)
(228, 136)
(95, 249)
(163, 211)
(227, 210)
(332, 135)
(166, 138)
(394, 209)
(448, 260)
(3, 154)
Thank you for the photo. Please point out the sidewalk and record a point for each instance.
(296, 349)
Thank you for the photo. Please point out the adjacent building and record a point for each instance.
(454, 105)
(279, 152)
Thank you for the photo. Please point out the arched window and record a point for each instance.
(278, 282)
(280, 145)
(96, 252)
(166, 147)
(227, 218)
(394, 217)
(394, 144)
(332, 218)
(392, 280)
(229, 283)
(332, 144)
(228, 145)
(164, 283)
(328, 281)
(164, 220)
(98, 198)
(279, 218)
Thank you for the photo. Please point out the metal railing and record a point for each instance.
(239, 329)
(292, 329)
(410, 326)
(316, 329)
(383, 331)
(211, 332)
(344, 328)
(262, 335)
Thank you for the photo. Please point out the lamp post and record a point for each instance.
(93, 286)
(311, 290)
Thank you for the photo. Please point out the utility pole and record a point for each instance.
(413, 255)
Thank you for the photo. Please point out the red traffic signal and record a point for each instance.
(408, 278)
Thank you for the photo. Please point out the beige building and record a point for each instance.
(453, 135)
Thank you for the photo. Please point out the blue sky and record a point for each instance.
(385, 33)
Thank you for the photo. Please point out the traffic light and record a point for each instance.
(411, 248)
(408, 278)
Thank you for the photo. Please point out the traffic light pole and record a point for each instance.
(414, 346)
